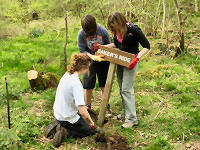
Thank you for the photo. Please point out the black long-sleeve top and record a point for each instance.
(130, 43)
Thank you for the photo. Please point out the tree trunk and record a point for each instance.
(39, 81)
(181, 30)
(66, 38)
(66, 34)
(164, 18)
(114, 5)
(196, 5)
(157, 18)
(102, 14)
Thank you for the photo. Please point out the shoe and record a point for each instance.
(61, 132)
(50, 129)
(89, 106)
(129, 125)
(109, 113)
(120, 116)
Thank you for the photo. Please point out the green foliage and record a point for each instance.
(160, 144)
(9, 140)
(36, 33)
(170, 86)
(166, 90)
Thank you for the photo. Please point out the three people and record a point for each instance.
(71, 100)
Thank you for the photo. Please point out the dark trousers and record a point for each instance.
(79, 129)
(99, 69)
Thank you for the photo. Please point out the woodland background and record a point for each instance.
(167, 88)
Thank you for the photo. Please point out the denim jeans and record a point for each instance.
(126, 80)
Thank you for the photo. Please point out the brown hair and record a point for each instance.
(89, 25)
(78, 62)
(117, 24)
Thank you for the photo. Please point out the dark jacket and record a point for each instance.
(133, 37)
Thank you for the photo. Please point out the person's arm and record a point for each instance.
(142, 52)
(106, 37)
(145, 44)
(111, 45)
(98, 58)
(82, 45)
(80, 103)
(84, 113)
(143, 41)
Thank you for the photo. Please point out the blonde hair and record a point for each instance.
(78, 62)
(117, 24)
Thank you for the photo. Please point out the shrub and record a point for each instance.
(35, 32)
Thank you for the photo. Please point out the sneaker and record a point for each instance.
(61, 132)
(129, 125)
(120, 116)
(50, 129)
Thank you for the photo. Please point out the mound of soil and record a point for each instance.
(114, 142)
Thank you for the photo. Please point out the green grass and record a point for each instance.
(167, 96)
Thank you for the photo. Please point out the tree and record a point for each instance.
(66, 39)
(157, 18)
(196, 5)
(66, 34)
(181, 30)
(164, 18)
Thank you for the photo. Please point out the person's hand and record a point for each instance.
(133, 63)
(96, 46)
(92, 125)
(98, 58)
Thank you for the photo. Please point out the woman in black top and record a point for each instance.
(127, 37)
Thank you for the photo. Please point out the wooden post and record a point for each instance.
(8, 104)
(106, 94)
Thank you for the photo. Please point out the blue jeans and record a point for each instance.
(126, 80)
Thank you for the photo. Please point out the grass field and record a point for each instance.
(167, 95)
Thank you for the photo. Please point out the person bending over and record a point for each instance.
(91, 34)
(127, 37)
(69, 106)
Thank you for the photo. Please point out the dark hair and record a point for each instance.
(89, 25)
(117, 23)
(78, 62)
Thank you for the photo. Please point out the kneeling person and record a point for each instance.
(69, 106)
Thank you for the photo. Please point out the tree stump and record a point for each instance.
(40, 81)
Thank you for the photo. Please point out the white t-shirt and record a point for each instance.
(69, 96)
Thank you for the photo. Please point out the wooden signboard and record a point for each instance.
(115, 55)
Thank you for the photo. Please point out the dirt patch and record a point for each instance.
(187, 146)
(114, 142)
(37, 108)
